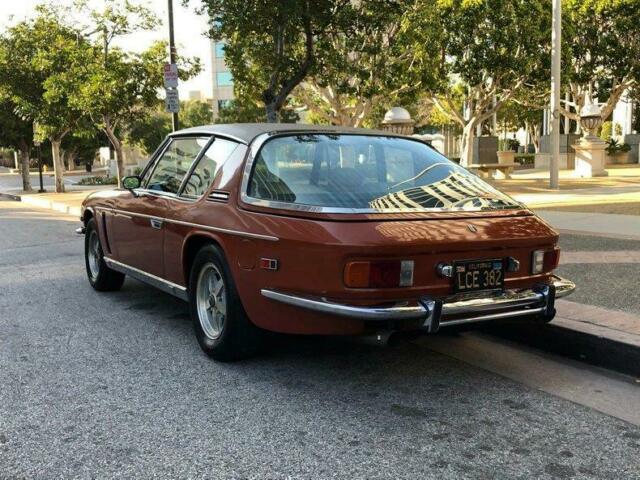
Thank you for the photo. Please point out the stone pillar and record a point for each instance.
(590, 157)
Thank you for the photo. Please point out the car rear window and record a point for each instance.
(365, 172)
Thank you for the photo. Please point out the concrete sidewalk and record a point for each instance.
(600, 224)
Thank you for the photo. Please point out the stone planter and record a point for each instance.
(619, 158)
(506, 158)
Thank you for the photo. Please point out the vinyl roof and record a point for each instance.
(246, 132)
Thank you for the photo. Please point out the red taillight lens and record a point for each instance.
(551, 259)
(379, 274)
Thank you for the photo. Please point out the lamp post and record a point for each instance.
(175, 124)
(36, 143)
(556, 46)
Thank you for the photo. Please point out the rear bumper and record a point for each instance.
(456, 310)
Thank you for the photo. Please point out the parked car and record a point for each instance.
(319, 230)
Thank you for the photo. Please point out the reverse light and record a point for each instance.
(544, 260)
(379, 274)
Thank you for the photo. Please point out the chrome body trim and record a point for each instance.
(238, 233)
(260, 140)
(454, 310)
(160, 283)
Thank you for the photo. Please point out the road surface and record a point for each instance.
(103, 385)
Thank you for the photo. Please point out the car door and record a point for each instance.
(139, 220)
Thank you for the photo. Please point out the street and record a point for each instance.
(9, 182)
(104, 385)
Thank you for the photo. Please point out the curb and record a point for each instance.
(10, 196)
(51, 205)
(591, 347)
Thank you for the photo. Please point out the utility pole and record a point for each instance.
(556, 46)
(172, 58)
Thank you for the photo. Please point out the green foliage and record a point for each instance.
(601, 44)
(614, 147)
(150, 128)
(364, 62)
(39, 59)
(15, 132)
(98, 181)
(271, 46)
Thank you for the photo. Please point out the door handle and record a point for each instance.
(156, 223)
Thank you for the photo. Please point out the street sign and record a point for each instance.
(170, 75)
(172, 101)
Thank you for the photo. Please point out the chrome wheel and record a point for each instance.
(211, 301)
(93, 254)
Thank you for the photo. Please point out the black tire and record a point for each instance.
(101, 277)
(233, 337)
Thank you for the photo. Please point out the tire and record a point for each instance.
(221, 325)
(101, 277)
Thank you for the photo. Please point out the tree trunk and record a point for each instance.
(468, 135)
(58, 167)
(25, 153)
(117, 146)
(272, 112)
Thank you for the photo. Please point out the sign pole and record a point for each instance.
(172, 58)
(556, 45)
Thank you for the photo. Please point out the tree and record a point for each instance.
(601, 52)
(16, 133)
(271, 45)
(363, 64)
(149, 129)
(488, 49)
(39, 62)
(118, 86)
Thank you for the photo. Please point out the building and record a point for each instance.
(221, 78)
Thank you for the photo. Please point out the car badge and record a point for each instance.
(472, 228)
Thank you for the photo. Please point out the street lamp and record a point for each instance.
(36, 143)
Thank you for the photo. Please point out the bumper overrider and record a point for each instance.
(456, 310)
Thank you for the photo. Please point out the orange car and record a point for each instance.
(319, 230)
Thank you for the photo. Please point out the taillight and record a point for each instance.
(379, 274)
(551, 259)
(545, 260)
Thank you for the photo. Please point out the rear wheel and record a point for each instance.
(101, 277)
(221, 325)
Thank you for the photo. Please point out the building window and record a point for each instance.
(224, 104)
(219, 49)
(224, 79)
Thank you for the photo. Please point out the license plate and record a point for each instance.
(473, 275)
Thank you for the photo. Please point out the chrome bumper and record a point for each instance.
(454, 310)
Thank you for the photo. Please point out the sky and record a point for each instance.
(189, 33)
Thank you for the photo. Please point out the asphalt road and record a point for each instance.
(13, 182)
(607, 285)
(114, 385)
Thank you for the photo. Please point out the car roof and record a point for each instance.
(246, 132)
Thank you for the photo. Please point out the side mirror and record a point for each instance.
(131, 183)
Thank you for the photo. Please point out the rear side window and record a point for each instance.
(175, 162)
(365, 172)
(205, 171)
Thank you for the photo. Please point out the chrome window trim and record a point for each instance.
(228, 231)
(260, 140)
(151, 165)
(193, 166)
(207, 133)
(164, 150)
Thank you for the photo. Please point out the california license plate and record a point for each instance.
(473, 275)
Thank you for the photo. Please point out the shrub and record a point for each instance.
(98, 181)
(614, 147)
